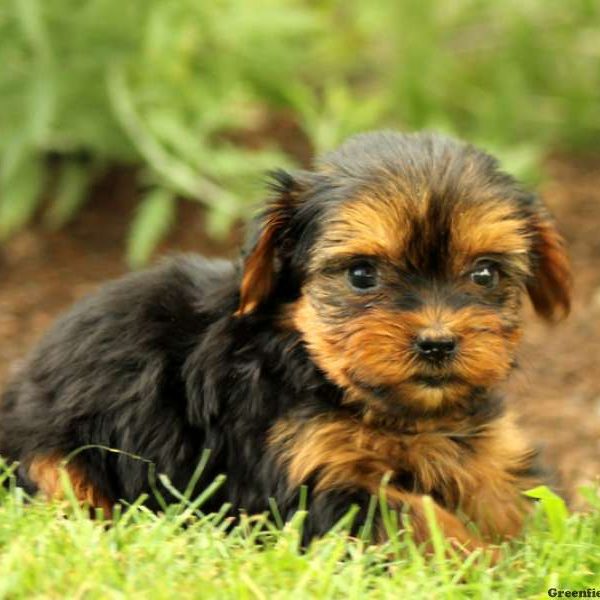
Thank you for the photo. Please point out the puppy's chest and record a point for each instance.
(340, 453)
(430, 463)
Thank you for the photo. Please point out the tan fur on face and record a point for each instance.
(381, 226)
(376, 348)
(489, 228)
(376, 345)
(369, 225)
(45, 471)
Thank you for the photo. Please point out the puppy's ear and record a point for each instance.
(551, 282)
(259, 266)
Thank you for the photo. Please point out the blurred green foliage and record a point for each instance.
(187, 90)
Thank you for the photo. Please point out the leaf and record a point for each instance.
(154, 219)
(554, 507)
(69, 196)
(218, 223)
(41, 96)
(42, 102)
(177, 173)
(15, 153)
(31, 20)
(20, 196)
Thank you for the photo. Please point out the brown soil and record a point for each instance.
(556, 389)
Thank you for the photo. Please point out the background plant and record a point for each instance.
(189, 92)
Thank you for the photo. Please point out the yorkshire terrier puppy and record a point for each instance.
(354, 350)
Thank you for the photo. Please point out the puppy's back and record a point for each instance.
(123, 345)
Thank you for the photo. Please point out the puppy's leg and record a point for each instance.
(451, 527)
(44, 473)
(499, 508)
(326, 508)
(502, 467)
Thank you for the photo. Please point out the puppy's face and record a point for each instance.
(409, 256)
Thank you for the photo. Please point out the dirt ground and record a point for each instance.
(556, 389)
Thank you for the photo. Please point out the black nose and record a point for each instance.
(436, 350)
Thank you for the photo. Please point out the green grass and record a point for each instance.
(55, 551)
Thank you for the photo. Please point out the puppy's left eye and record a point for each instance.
(362, 276)
(485, 275)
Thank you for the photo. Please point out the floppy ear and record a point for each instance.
(551, 283)
(259, 266)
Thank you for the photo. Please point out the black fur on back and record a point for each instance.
(155, 365)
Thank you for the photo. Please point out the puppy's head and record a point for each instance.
(404, 259)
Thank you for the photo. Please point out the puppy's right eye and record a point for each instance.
(485, 275)
(362, 276)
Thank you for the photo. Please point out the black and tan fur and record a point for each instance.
(292, 375)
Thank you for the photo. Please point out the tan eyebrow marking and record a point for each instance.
(370, 226)
(489, 229)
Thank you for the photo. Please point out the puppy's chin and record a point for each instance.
(430, 390)
(429, 397)
(419, 394)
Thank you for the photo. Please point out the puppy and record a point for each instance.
(354, 351)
